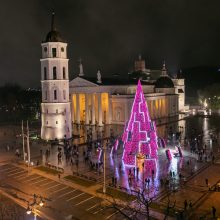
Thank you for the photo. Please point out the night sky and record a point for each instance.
(109, 35)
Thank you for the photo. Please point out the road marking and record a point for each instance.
(75, 197)
(58, 190)
(53, 186)
(66, 193)
(44, 184)
(85, 200)
(24, 175)
(16, 173)
(12, 171)
(92, 207)
(20, 178)
(97, 211)
(38, 181)
(33, 178)
(8, 169)
(108, 217)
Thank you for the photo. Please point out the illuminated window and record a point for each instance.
(55, 94)
(54, 72)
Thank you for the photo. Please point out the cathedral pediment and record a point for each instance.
(80, 82)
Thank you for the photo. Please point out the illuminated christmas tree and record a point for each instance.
(139, 137)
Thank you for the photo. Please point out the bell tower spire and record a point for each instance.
(55, 105)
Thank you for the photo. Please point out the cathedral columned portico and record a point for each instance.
(90, 108)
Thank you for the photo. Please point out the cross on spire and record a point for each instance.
(164, 70)
(52, 22)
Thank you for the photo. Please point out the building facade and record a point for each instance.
(55, 106)
(109, 100)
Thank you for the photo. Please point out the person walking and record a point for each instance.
(213, 211)
(185, 204)
(207, 182)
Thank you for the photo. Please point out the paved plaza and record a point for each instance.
(67, 199)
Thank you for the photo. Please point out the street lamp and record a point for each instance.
(28, 210)
(41, 203)
(104, 184)
(28, 143)
(32, 207)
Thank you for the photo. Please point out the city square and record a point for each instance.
(120, 119)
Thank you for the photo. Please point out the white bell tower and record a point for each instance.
(55, 106)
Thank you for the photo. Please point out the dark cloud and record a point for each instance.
(108, 35)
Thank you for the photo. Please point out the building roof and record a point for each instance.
(53, 35)
(164, 82)
(115, 81)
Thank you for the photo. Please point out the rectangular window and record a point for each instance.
(45, 73)
(64, 73)
(54, 72)
(54, 52)
(55, 94)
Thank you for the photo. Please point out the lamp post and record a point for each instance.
(22, 128)
(28, 146)
(32, 207)
(104, 184)
(28, 143)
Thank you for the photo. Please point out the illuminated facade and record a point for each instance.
(111, 103)
(109, 100)
(55, 106)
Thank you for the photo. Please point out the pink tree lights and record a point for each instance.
(139, 137)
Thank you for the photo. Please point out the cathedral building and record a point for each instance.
(99, 100)
(102, 100)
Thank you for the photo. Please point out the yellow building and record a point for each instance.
(109, 100)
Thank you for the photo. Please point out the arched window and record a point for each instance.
(45, 73)
(64, 73)
(54, 72)
(55, 94)
(64, 94)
